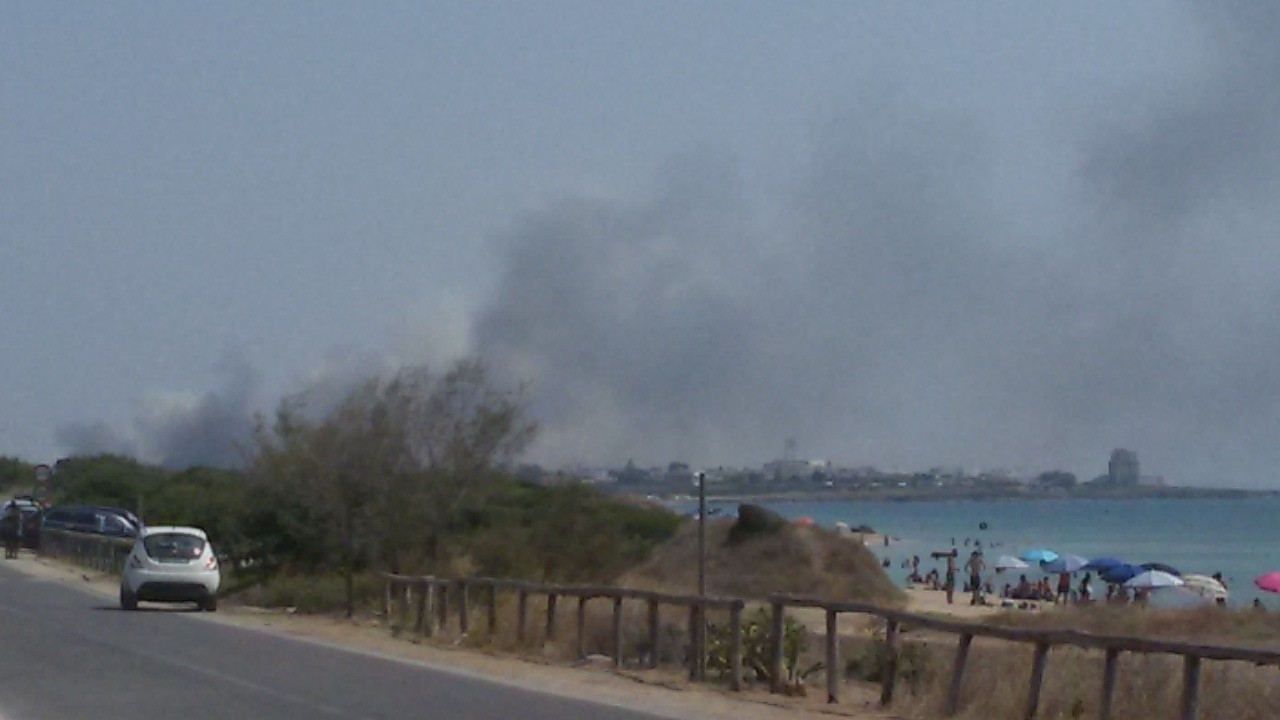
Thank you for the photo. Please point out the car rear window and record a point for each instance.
(173, 546)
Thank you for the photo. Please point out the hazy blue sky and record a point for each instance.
(1010, 234)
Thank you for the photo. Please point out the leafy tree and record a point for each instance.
(398, 466)
(16, 472)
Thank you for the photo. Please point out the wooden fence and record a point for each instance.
(1042, 640)
(431, 596)
(430, 600)
(427, 602)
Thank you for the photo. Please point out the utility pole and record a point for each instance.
(700, 641)
(702, 533)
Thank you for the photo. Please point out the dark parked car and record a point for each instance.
(115, 522)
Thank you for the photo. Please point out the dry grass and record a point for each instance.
(998, 674)
(801, 560)
(1148, 686)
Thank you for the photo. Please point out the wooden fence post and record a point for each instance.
(776, 630)
(653, 632)
(582, 626)
(443, 610)
(1037, 678)
(386, 601)
(492, 599)
(1108, 684)
(833, 658)
(1190, 687)
(890, 670)
(617, 631)
(957, 674)
(735, 645)
(550, 633)
(420, 614)
(522, 614)
(463, 621)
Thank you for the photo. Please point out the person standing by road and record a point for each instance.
(10, 530)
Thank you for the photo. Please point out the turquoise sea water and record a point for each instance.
(1239, 538)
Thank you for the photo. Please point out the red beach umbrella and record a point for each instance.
(1268, 581)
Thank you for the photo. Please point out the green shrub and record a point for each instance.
(914, 663)
(754, 521)
(757, 648)
(314, 593)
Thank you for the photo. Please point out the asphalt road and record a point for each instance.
(65, 653)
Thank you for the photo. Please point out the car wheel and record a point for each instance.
(209, 604)
(128, 601)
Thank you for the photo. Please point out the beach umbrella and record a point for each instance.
(1067, 563)
(1153, 579)
(1009, 562)
(1162, 568)
(1102, 563)
(1205, 586)
(1269, 581)
(1039, 555)
(1117, 574)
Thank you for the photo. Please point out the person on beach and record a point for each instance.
(975, 566)
(1064, 588)
(1023, 590)
(949, 584)
(1086, 589)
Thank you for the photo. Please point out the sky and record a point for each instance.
(988, 235)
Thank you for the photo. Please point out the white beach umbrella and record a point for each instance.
(1009, 562)
(1206, 586)
(1153, 579)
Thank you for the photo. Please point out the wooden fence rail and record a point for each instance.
(1041, 639)
(422, 592)
(428, 599)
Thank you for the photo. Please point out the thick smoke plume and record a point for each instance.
(902, 314)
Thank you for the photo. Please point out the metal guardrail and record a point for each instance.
(97, 552)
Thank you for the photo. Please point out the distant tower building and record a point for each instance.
(789, 450)
(1123, 468)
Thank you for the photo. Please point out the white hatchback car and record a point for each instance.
(171, 564)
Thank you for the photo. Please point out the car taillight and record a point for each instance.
(211, 563)
(134, 562)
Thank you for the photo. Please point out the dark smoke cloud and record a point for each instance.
(93, 438)
(212, 431)
(180, 432)
(897, 317)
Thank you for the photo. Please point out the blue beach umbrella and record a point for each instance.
(1102, 563)
(1118, 574)
(1067, 563)
(1039, 555)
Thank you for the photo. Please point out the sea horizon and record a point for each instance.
(1233, 536)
